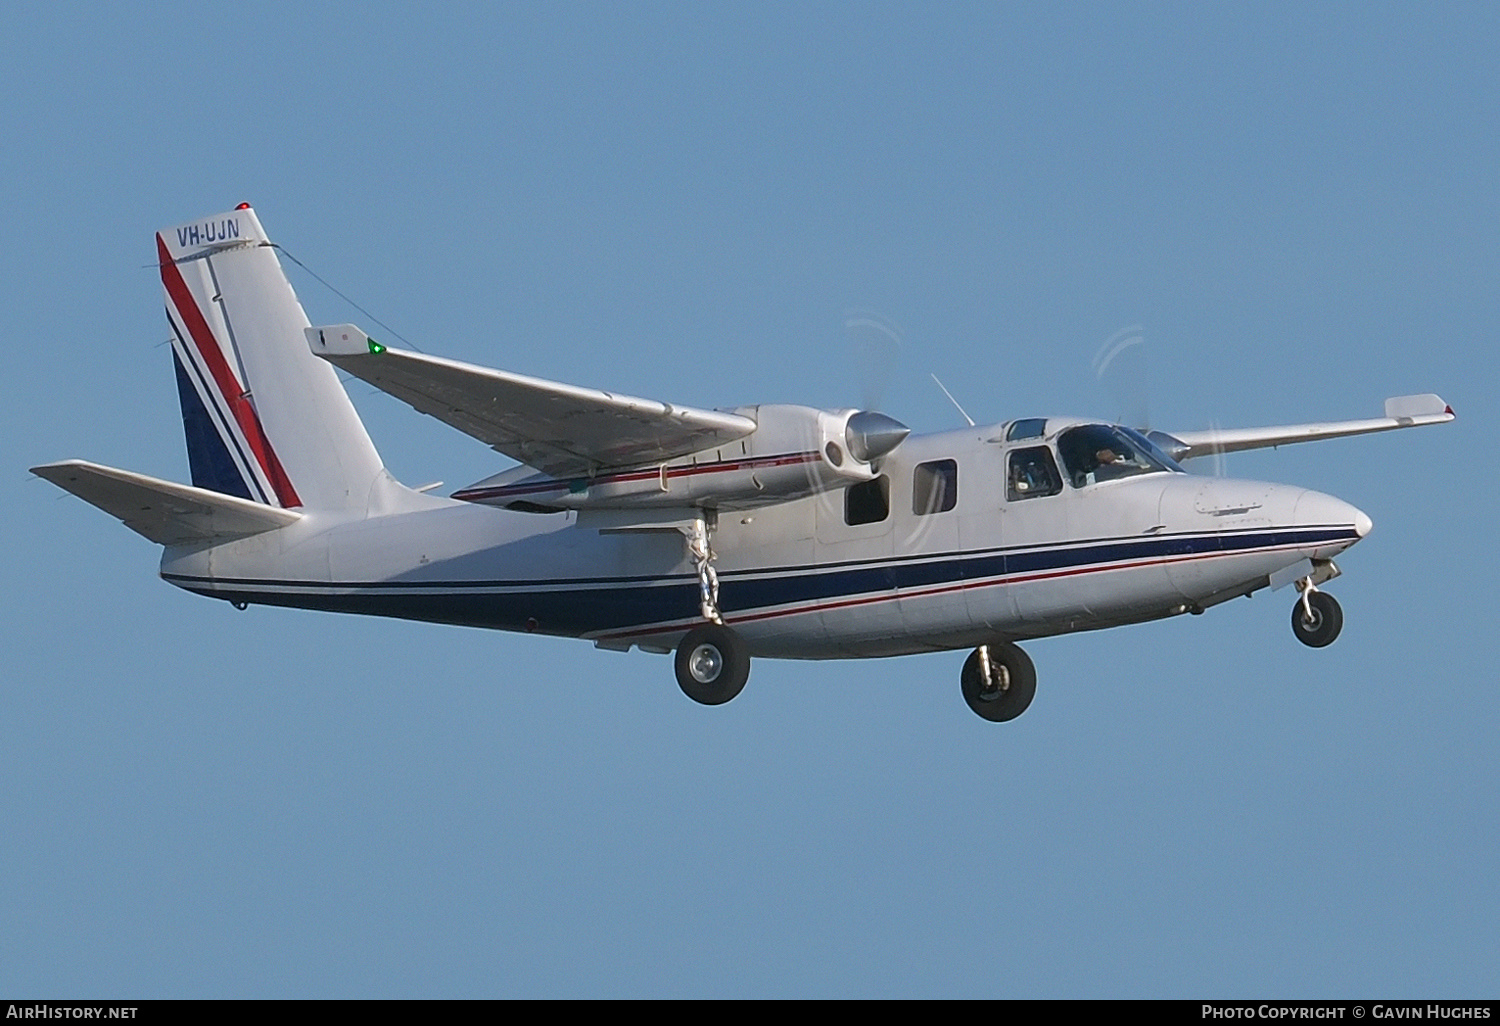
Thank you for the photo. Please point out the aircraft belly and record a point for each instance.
(1073, 561)
(1076, 594)
(1117, 574)
(1043, 584)
(929, 585)
(989, 603)
(858, 605)
(1201, 567)
(847, 599)
(467, 565)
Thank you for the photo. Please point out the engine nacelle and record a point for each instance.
(794, 451)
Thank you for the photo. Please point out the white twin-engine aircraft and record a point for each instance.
(777, 531)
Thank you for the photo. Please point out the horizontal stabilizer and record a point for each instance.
(166, 513)
(561, 429)
(1400, 412)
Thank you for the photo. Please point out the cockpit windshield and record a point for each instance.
(1101, 452)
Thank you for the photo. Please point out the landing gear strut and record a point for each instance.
(712, 662)
(702, 553)
(999, 681)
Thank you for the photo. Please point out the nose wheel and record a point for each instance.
(1317, 618)
(998, 681)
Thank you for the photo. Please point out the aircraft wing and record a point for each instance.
(1400, 412)
(163, 511)
(561, 429)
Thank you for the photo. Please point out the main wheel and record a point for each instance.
(1012, 684)
(712, 664)
(1324, 625)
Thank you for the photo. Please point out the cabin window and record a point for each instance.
(1032, 474)
(868, 502)
(934, 487)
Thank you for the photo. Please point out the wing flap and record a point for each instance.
(1400, 412)
(163, 511)
(561, 429)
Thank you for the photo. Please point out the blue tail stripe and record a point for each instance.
(208, 457)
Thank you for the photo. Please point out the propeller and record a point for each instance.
(872, 343)
(871, 350)
(1122, 367)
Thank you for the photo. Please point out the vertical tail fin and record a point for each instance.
(265, 419)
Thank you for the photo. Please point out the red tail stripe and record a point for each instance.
(229, 386)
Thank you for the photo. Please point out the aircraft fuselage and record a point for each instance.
(797, 579)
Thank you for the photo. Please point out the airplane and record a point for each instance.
(721, 535)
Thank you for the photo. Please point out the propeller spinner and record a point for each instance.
(870, 436)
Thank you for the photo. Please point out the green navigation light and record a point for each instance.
(376, 347)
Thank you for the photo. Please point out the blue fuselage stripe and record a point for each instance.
(623, 605)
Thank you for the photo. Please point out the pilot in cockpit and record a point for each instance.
(1098, 452)
(1108, 465)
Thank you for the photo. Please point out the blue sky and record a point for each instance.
(1297, 206)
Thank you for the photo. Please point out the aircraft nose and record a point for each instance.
(1314, 509)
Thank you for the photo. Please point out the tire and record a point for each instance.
(1019, 688)
(1327, 620)
(712, 664)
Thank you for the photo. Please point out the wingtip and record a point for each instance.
(44, 470)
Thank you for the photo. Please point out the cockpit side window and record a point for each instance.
(1098, 452)
(1031, 474)
(1031, 427)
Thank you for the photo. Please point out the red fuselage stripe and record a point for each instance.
(894, 596)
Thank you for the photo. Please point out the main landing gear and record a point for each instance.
(713, 662)
(999, 681)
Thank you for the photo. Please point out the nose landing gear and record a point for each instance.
(1317, 618)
